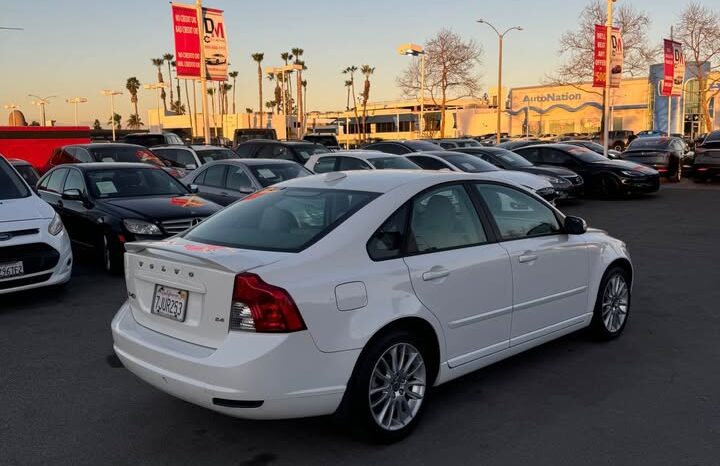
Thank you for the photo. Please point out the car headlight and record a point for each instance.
(141, 227)
(56, 226)
(553, 179)
(631, 173)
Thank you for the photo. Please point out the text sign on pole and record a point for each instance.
(674, 74)
(187, 41)
(601, 56)
(215, 45)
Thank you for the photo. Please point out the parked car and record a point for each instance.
(34, 246)
(618, 140)
(457, 143)
(595, 147)
(360, 292)
(327, 140)
(191, 157)
(666, 155)
(358, 160)
(297, 151)
(105, 205)
(248, 134)
(602, 176)
(651, 133)
(457, 161)
(518, 143)
(153, 139)
(565, 182)
(706, 165)
(402, 147)
(226, 181)
(26, 170)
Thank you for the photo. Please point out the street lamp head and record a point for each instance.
(519, 28)
(481, 21)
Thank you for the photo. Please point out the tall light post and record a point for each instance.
(41, 102)
(608, 69)
(75, 101)
(414, 50)
(500, 100)
(111, 94)
(12, 108)
(157, 87)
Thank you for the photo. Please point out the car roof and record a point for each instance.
(108, 166)
(380, 181)
(18, 162)
(360, 154)
(104, 144)
(436, 153)
(253, 162)
(201, 147)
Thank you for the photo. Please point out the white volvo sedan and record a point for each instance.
(358, 292)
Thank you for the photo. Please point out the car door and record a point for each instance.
(75, 212)
(50, 189)
(557, 158)
(211, 183)
(458, 273)
(550, 269)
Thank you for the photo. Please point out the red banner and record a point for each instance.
(674, 69)
(601, 57)
(187, 41)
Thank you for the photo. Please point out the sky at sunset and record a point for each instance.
(78, 47)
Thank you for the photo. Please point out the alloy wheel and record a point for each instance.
(397, 386)
(615, 303)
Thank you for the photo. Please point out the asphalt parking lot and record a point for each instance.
(649, 398)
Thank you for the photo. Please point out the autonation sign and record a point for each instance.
(553, 97)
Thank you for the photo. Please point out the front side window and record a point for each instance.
(399, 163)
(428, 163)
(516, 214)
(531, 154)
(214, 176)
(444, 218)
(325, 165)
(74, 180)
(238, 180)
(11, 186)
(82, 155)
(351, 163)
(125, 154)
(123, 182)
(285, 219)
(56, 180)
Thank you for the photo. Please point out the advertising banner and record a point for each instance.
(674, 69)
(187, 41)
(215, 45)
(601, 57)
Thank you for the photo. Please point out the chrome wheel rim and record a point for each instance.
(106, 253)
(615, 304)
(397, 386)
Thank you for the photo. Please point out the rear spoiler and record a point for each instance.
(139, 246)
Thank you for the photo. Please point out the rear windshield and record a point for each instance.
(512, 159)
(649, 143)
(28, 173)
(130, 154)
(210, 155)
(328, 141)
(586, 155)
(284, 219)
(400, 163)
(422, 145)
(470, 164)
(468, 143)
(308, 150)
(146, 139)
(123, 182)
(277, 172)
(11, 185)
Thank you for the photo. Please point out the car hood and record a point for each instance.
(528, 180)
(163, 207)
(26, 208)
(550, 171)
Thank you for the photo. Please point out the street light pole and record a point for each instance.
(76, 101)
(414, 50)
(203, 71)
(112, 94)
(157, 87)
(42, 102)
(500, 100)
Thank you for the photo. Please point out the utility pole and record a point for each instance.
(608, 70)
(42, 102)
(157, 87)
(75, 101)
(203, 71)
(111, 94)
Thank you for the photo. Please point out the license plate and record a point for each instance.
(11, 269)
(170, 302)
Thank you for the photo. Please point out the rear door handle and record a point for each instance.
(526, 258)
(435, 274)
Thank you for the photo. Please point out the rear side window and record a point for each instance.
(74, 181)
(11, 185)
(531, 154)
(56, 180)
(215, 176)
(245, 150)
(287, 219)
(428, 163)
(351, 163)
(324, 165)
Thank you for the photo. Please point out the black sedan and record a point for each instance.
(566, 182)
(602, 176)
(226, 181)
(707, 158)
(595, 147)
(105, 205)
(518, 143)
(666, 155)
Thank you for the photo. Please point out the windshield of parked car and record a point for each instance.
(649, 143)
(280, 219)
(511, 159)
(179, 158)
(210, 155)
(467, 143)
(422, 145)
(586, 155)
(131, 154)
(277, 172)
(468, 163)
(11, 185)
(385, 163)
(307, 150)
(133, 182)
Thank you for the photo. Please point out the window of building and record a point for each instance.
(388, 127)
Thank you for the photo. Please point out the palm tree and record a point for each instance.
(177, 82)
(270, 105)
(258, 57)
(351, 71)
(249, 112)
(234, 75)
(96, 124)
(178, 107)
(225, 87)
(134, 122)
(158, 62)
(133, 85)
(117, 119)
(211, 93)
(298, 52)
(348, 83)
(366, 70)
(168, 58)
(278, 91)
(287, 98)
(304, 85)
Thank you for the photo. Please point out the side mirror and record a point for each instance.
(575, 225)
(190, 166)
(246, 189)
(73, 195)
(194, 188)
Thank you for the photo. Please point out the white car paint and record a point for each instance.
(28, 214)
(482, 303)
(366, 156)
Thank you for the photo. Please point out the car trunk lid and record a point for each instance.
(161, 275)
(647, 157)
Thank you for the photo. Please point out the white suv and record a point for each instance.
(34, 246)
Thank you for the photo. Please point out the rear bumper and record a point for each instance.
(706, 171)
(266, 376)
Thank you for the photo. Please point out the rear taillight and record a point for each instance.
(260, 307)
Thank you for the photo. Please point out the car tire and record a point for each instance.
(389, 389)
(608, 186)
(112, 261)
(612, 305)
(618, 146)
